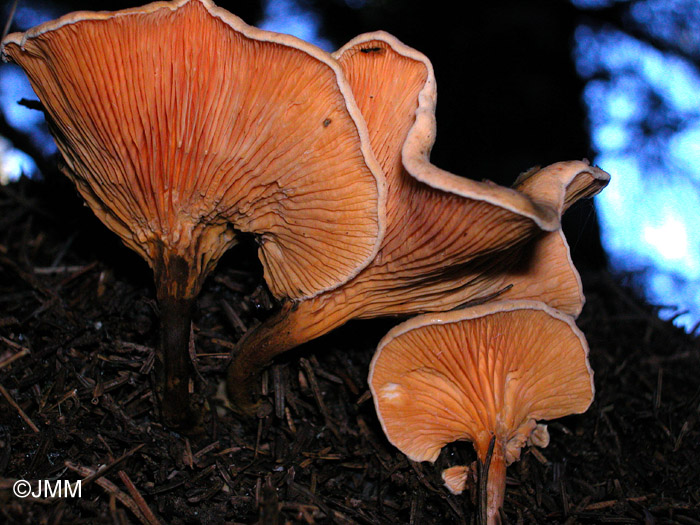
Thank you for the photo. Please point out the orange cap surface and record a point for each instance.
(450, 239)
(483, 374)
(489, 370)
(179, 124)
(455, 478)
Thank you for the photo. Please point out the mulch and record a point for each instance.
(78, 325)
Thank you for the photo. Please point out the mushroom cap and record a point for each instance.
(545, 272)
(539, 437)
(405, 73)
(449, 239)
(490, 370)
(179, 123)
(456, 477)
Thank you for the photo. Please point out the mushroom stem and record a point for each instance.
(495, 486)
(177, 288)
(256, 349)
(174, 368)
(492, 489)
(294, 324)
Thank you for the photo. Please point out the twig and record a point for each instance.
(112, 489)
(104, 470)
(14, 404)
(306, 365)
(483, 470)
(187, 456)
(138, 498)
(206, 450)
(279, 387)
(70, 394)
(657, 393)
(11, 17)
(233, 318)
(226, 476)
(193, 354)
(364, 397)
(50, 270)
(610, 503)
(14, 357)
(11, 343)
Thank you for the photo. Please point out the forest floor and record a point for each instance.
(78, 324)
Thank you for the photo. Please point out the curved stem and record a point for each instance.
(255, 351)
(294, 324)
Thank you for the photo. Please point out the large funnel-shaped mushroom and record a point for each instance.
(479, 374)
(449, 240)
(180, 124)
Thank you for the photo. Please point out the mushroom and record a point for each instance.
(484, 374)
(449, 240)
(456, 478)
(180, 125)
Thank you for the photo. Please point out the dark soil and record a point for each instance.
(78, 324)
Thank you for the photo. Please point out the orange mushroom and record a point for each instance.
(484, 374)
(456, 478)
(449, 240)
(180, 125)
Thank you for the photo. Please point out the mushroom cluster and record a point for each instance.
(177, 142)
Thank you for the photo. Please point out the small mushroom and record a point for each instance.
(484, 374)
(456, 478)
(180, 125)
(449, 241)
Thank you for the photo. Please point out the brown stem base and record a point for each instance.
(294, 324)
(256, 350)
(173, 366)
